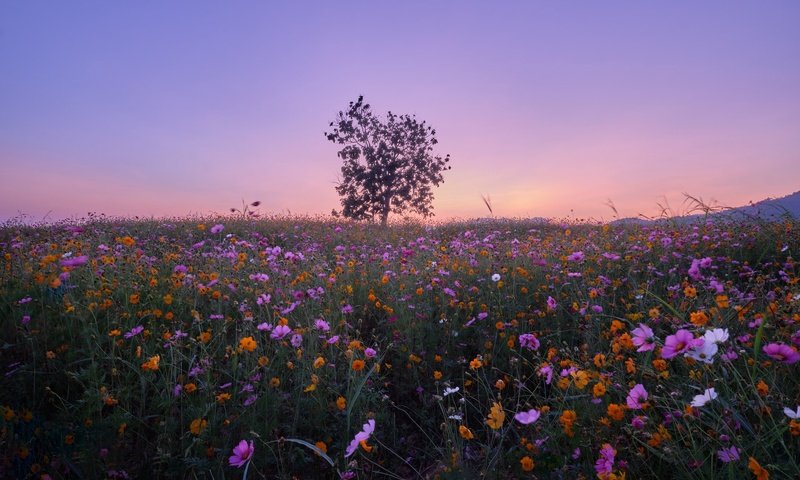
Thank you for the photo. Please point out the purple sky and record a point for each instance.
(551, 108)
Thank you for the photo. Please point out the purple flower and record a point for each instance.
(322, 325)
(529, 341)
(217, 228)
(643, 338)
(576, 257)
(74, 262)
(551, 303)
(280, 331)
(526, 418)
(26, 319)
(728, 455)
(242, 453)
(297, 340)
(370, 352)
(134, 331)
(637, 397)
(347, 309)
(679, 343)
(782, 353)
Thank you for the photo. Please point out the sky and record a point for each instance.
(552, 109)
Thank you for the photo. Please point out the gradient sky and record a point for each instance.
(551, 108)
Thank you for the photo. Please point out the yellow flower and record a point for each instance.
(248, 344)
(465, 432)
(496, 416)
(198, 425)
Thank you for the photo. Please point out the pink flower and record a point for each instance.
(782, 353)
(362, 436)
(680, 342)
(217, 228)
(370, 352)
(280, 331)
(643, 338)
(605, 464)
(529, 341)
(242, 453)
(637, 397)
(526, 418)
(551, 303)
(74, 262)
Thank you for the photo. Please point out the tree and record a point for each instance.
(389, 166)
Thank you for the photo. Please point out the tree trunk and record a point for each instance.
(386, 208)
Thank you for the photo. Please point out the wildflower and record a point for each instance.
(496, 416)
(760, 472)
(793, 414)
(217, 228)
(782, 353)
(679, 343)
(527, 418)
(526, 463)
(475, 364)
(449, 391)
(615, 411)
(247, 344)
(341, 403)
(319, 362)
(370, 352)
(637, 397)
(496, 277)
(727, 455)
(567, 420)
(707, 396)
(279, 332)
(361, 438)
(134, 331)
(643, 338)
(465, 432)
(152, 363)
(529, 341)
(322, 325)
(242, 453)
(551, 303)
(297, 340)
(198, 425)
(605, 464)
(358, 365)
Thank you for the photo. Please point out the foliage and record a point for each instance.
(389, 166)
(287, 347)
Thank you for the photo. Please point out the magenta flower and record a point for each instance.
(643, 338)
(529, 341)
(217, 228)
(526, 418)
(280, 331)
(728, 455)
(637, 397)
(605, 464)
(370, 352)
(74, 262)
(242, 453)
(782, 353)
(551, 303)
(680, 342)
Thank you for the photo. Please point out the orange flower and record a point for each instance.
(762, 388)
(757, 469)
(248, 344)
(358, 365)
(341, 403)
(437, 375)
(476, 363)
(319, 362)
(198, 425)
(527, 463)
(567, 420)
(465, 432)
(496, 416)
(599, 389)
(615, 411)
(190, 388)
(151, 365)
(698, 318)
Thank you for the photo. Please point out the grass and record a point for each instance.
(152, 348)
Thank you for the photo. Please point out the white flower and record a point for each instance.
(717, 335)
(448, 391)
(707, 396)
(793, 414)
(496, 277)
(455, 417)
(704, 353)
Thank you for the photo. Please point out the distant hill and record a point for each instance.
(768, 209)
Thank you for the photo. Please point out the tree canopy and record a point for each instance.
(388, 165)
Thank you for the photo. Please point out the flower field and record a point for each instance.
(316, 348)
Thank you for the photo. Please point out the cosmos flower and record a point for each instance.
(605, 464)
(526, 418)
(366, 431)
(679, 343)
(217, 228)
(529, 341)
(793, 414)
(242, 453)
(280, 331)
(637, 397)
(727, 455)
(496, 277)
(643, 338)
(782, 353)
(705, 397)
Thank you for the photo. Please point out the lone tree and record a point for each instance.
(388, 165)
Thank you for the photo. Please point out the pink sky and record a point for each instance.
(550, 109)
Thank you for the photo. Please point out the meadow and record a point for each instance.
(293, 347)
